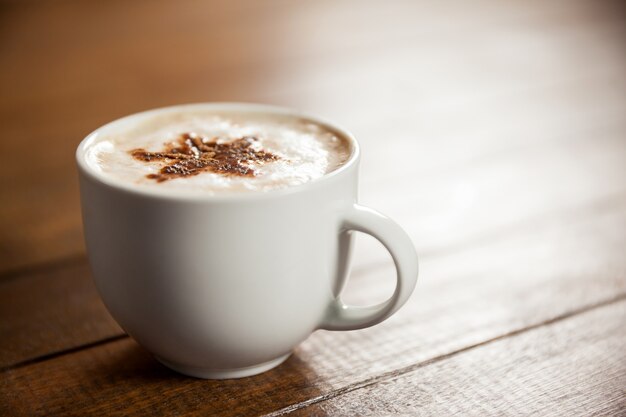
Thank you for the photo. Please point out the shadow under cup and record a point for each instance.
(225, 286)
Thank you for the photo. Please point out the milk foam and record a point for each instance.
(306, 150)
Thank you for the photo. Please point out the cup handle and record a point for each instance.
(363, 219)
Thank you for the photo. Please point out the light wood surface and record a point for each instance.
(569, 367)
(494, 133)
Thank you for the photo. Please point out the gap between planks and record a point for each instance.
(63, 352)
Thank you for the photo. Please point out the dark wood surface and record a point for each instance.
(494, 132)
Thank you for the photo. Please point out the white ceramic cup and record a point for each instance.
(225, 286)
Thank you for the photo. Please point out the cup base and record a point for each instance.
(208, 373)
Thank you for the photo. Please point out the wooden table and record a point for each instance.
(494, 132)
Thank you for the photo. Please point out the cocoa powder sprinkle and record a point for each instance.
(192, 154)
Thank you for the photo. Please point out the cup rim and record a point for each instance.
(182, 194)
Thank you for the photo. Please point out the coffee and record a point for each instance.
(214, 152)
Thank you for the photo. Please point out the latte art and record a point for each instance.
(216, 152)
(196, 154)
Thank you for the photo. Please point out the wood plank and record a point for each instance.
(359, 78)
(463, 299)
(122, 369)
(575, 366)
(497, 195)
(50, 311)
(434, 139)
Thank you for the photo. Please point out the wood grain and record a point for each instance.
(432, 82)
(51, 311)
(121, 379)
(464, 299)
(572, 367)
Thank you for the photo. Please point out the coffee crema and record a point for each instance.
(215, 152)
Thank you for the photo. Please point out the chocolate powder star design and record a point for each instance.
(193, 154)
